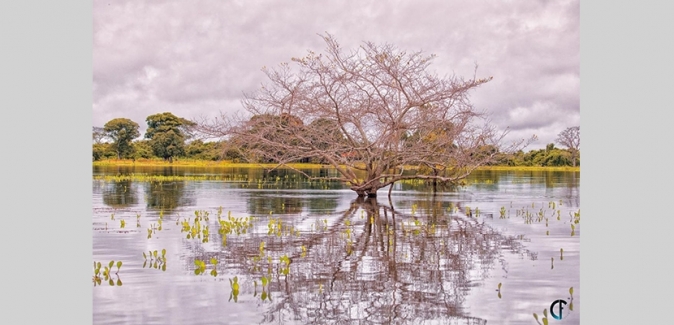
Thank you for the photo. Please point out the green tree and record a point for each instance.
(167, 134)
(200, 150)
(103, 151)
(142, 149)
(121, 131)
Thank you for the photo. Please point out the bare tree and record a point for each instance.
(371, 113)
(570, 138)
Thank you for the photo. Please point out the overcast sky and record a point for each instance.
(195, 58)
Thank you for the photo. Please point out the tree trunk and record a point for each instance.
(574, 156)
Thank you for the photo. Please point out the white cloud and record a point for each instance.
(194, 58)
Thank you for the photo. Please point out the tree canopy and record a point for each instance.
(167, 134)
(376, 109)
(121, 131)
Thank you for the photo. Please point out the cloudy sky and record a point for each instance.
(195, 58)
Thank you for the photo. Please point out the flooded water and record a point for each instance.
(247, 247)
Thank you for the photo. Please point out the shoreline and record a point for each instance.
(228, 164)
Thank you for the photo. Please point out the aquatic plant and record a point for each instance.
(214, 261)
(201, 267)
(99, 276)
(234, 284)
(285, 260)
(544, 319)
(156, 261)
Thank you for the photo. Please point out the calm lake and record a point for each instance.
(243, 246)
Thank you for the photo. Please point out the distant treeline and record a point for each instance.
(168, 137)
(213, 151)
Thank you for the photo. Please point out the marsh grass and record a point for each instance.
(194, 163)
(230, 164)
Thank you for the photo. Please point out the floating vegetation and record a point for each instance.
(233, 225)
(99, 276)
(163, 178)
(214, 272)
(196, 230)
(156, 261)
(286, 261)
(201, 267)
(544, 319)
(265, 282)
(235, 289)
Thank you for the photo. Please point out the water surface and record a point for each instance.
(415, 259)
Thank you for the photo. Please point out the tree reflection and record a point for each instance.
(168, 196)
(573, 188)
(372, 263)
(120, 194)
(261, 205)
(279, 203)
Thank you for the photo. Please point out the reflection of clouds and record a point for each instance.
(385, 274)
(388, 277)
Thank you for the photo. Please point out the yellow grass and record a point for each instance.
(531, 168)
(229, 164)
(193, 163)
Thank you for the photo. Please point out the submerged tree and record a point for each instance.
(121, 131)
(374, 111)
(570, 138)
